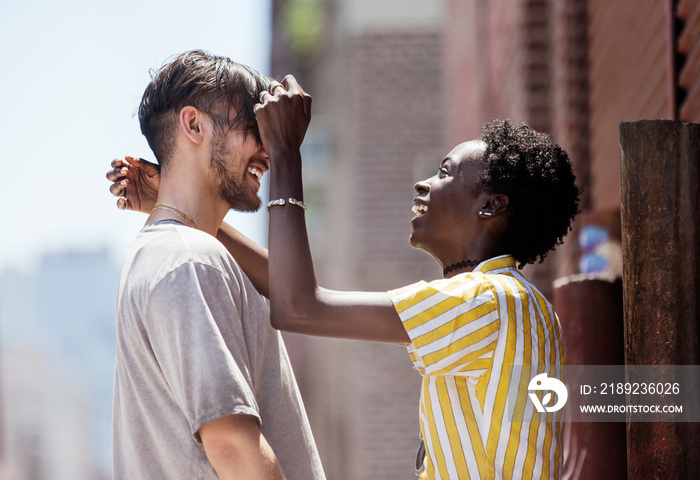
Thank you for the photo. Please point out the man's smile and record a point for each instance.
(258, 169)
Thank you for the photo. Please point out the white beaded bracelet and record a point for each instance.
(282, 201)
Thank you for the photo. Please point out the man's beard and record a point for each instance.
(232, 190)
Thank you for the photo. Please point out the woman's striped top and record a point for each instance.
(466, 331)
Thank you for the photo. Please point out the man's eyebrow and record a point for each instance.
(447, 159)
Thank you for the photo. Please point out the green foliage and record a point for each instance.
(303, 22)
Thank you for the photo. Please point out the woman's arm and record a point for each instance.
(249, 255)
(298, 303)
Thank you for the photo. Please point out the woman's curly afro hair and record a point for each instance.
(536, 175)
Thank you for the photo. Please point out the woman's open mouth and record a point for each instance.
(419, 209)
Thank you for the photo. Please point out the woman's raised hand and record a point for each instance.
(283, 115)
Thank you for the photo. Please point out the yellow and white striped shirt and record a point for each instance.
(466, 331)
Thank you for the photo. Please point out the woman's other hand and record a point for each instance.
(135, 181)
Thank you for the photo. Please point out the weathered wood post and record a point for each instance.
(661, 278)
(586, 308)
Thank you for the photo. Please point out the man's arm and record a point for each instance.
(238, 450)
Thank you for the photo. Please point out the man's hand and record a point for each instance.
(283, 115)
(135, 181)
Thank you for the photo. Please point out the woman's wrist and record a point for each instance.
(280, 154)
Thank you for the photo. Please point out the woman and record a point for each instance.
(504, 200)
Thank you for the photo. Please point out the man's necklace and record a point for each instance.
(457, 266)
(178, 212)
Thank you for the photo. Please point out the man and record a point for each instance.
(203, 387)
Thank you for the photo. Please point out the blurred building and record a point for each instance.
(396, 84)
(57, 331)
(376, 76)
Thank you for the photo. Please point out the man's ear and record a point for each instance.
(191, 122)
(494, 204)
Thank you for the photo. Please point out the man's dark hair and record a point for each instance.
(214, 85)
(536, 175)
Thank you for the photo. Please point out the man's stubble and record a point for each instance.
(232, 189)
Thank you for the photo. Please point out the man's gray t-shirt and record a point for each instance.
(194, 343)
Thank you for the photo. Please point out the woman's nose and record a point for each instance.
(422, 186)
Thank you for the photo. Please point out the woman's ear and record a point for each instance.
(191, 123)
(494, 205)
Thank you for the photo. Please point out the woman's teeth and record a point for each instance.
(419, 208)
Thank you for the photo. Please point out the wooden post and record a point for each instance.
(587, 307)
(660, 212)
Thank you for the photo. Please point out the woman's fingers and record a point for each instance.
(118, 189)
(117, 174)
(120, 168)
(292, 86)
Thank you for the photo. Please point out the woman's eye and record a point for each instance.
(442, 171)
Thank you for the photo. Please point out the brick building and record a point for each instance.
(396, 84)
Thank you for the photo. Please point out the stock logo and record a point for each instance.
(542, 382)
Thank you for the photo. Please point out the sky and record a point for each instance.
(71, 79)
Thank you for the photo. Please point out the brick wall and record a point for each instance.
(389, 135)
(485, 65)
(627, 52)
(570, 87)
(570, 109)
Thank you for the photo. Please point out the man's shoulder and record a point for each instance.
(162, 248)
(176, 244)
(171, 258)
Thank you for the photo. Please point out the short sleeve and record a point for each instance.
(195, 330)
(453, 324)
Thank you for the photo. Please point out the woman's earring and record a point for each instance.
(485, 214)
